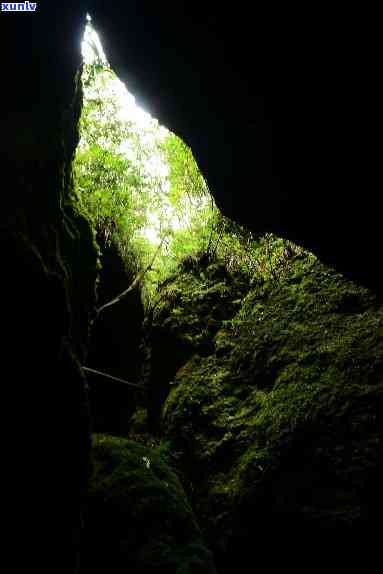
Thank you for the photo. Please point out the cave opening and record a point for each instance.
(137, 181)
(264, 365)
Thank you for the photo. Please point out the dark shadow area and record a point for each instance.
(115, 345)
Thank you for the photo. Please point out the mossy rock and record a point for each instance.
(138, 518)
(280, 429)
(193, 303)
(192, 307)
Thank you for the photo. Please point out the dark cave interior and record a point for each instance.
(281, 118)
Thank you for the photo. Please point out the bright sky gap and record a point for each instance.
(149, 129)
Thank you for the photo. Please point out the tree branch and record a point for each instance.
(132, 285)
(95, 372)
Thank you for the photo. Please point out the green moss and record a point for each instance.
(138, 513)
(193, 303)
(284, 417)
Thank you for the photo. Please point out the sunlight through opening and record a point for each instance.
(148, 131)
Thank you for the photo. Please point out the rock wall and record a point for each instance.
(280, 116)
(276, 425)
(49, 266)
(115, 344)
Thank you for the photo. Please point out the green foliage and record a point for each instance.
(113, 187)
(186, 181)
(139, 183)
(142, 189)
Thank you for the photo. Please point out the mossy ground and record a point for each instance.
(138, 518)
